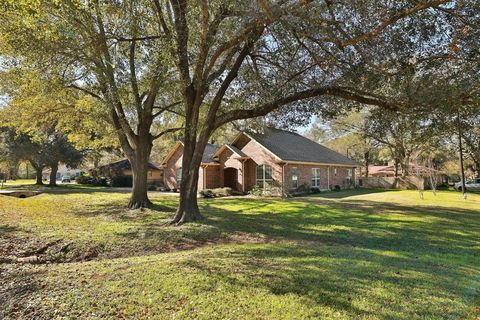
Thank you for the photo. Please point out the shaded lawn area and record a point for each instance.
(365, 255)
(28, 184)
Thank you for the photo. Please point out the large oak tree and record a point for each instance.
(203, 64)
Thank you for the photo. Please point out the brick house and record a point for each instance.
(274, 157)
(123, 168)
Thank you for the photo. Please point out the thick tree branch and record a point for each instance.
(393, 19)
(90, 93)
(167, 131)
(266, 108)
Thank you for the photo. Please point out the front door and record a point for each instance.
(230, 176)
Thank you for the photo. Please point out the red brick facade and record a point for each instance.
(228, 168)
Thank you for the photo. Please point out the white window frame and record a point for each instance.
(350, 176)
(178, 176)
(294, 177)
(263, 181)
(316, 174)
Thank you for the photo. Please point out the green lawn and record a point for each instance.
(28, 184)
(348, 255)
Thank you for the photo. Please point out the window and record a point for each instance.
(335, 171)
(316, 177)
(349, 176)
(264, 175)
(150, 173)
(294, 173)
(179, 176)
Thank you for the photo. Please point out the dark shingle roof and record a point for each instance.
(237, 151)
(289, 146)
(125, 164)
(210, 150)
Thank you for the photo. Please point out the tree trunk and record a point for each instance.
(53, 175)
(396, 167)
(13, 170)
(366, 156)
(139, 163)
(38, 175)
(188, 210)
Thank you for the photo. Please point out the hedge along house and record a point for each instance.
(274, 157)
(123, 168)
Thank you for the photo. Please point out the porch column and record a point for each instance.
(243, 175)
(204, 177)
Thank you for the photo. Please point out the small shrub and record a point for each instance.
(443, 186)
(337, 188)
(274, 190)
(151, 188)
(100, 182)
(217, 192)
(122, 181)
(315, 190)
(207, 193)
(256, 191)
(94, 181)
(84, 179)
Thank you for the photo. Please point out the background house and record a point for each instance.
(273, 157)
(63, 171)
(123, 168)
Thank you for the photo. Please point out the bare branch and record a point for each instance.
(298, 96)
(391, 20)
(167, 131)
(90, 93)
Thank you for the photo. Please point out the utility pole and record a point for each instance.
(460, 146)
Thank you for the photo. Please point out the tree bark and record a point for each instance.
(396, 167)
(38, 175)
(53, 175)
(139, 162)
(188, 210)
(366, 156)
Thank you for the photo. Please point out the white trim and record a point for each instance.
(170, 154)
(314, 178)
(220, 150)
(328, 177)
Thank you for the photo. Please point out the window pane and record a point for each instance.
(268, 172)
(316, 177)
(259, 172)
(294, 173)
(179, 174)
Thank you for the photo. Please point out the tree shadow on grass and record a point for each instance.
(344, 193)
(333, 253)
(16, 289)
(6, 229)
(345, 279)
(362, 223)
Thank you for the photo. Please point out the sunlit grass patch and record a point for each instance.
(369, 255)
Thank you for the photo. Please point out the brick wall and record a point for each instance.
(153, 175)
(227, 160)
(328, 177)
(258, 156)
(212, 174)
(170, 170)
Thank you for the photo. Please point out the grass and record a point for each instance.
(355, 254)
(28, 184)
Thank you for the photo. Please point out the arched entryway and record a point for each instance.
(230, 178)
